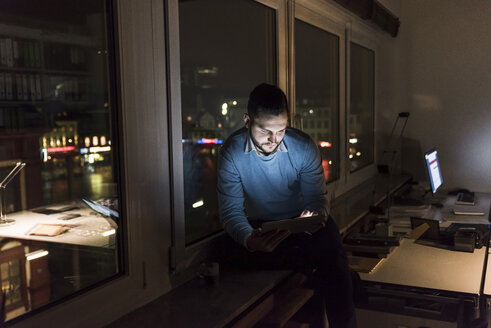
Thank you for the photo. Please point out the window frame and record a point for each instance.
(149, 95)
(334, 19)
(322, 15)
(359, 34)
(322, 18)
(185, 257)
(141, 92)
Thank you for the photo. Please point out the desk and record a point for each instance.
(89, 229)
(422, 266)
(487, 280)
(48, 268)
(487, 286)
(424, 271)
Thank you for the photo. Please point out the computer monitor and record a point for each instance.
(433, 167)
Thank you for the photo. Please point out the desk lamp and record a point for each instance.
(389, 159)
(3, 186)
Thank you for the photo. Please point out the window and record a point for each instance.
(362, 107)
(57, 116)
(180, 62)
(222, 55)
(226, 49)
(317, 91)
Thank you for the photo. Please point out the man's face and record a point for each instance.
(267, 131)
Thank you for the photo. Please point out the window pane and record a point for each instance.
(56, 116)
(317, 91)
(227, 48)
(361, 118)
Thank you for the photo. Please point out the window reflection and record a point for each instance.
(361, 117)
(56, 116)
(317, 91)
(227, 48)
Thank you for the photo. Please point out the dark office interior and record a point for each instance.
(112, 116)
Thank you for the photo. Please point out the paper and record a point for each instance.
(48, 230)
(468, 210)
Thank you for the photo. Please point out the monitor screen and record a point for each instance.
(434, 172)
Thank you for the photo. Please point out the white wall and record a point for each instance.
(443, 76)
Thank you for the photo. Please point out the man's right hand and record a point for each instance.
(266, 241)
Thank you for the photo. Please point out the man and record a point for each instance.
(269, 171)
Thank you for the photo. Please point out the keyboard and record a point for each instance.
(465, 198)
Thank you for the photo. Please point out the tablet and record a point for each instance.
(296, 225)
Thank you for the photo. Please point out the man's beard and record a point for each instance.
(260, 147)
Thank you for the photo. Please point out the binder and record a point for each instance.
(21, 62)
(32, 87)
(18, 86)
(15, 53)
(2, 118)
(30, 57)
(39, 94)
(10, 55)
(25, 87)
(26, 55)
(3, 52)
(37, 54)
(2, 86)
(8, 86)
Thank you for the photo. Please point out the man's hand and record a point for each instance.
(307, 213)
(266, 241)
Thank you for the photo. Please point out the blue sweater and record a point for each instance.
(273, 187)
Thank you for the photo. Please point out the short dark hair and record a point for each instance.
(267, 99)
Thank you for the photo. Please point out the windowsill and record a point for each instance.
(196, 304)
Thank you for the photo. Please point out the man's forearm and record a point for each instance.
(236, 225)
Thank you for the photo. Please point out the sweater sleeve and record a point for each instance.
(231, 199)
(312, 184)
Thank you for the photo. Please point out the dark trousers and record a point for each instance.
(320, 255)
